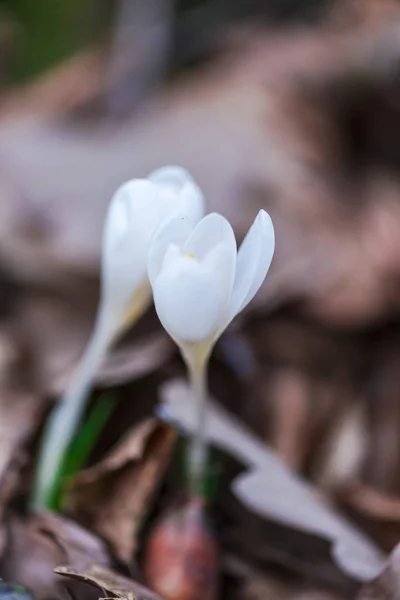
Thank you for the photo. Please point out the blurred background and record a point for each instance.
(288, 105)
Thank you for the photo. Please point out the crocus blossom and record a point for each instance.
(136, 210)
(200, 282)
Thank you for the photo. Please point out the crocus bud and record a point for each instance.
(182, 558)
(200, 282)
(136, 210)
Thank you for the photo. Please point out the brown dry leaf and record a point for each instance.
(272, 491)
(39, 544)
(377, 512)
(344, 447)
(112, 584)
(256, 585)
(289, 396)
(20, 418)
(387, 584)
(21, 411)
(113, 497)
(261, 585)
(373, 503)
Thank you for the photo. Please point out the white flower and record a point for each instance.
(136, 210)
(200, 282)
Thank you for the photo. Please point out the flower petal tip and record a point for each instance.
(266, 226)
(172, 174)
(264, 219)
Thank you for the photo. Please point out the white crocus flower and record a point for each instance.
(200, 283)
(136, 210)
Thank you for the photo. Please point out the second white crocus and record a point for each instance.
(200, 283)
(136, 210)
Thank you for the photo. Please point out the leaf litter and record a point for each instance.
(113, 497)
(109, 582)
(272, 490)
(287, 114)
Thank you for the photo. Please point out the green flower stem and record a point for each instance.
(64, 421)
(66, 416)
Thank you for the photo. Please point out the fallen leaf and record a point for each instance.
(109, 582)
(259, 585)
(270, 489)
(20, 418)
(377, 512)
(39, 544)
(373, 503)
(253, 584)
(387, 584)
(344, 448)
(289, 396)
(21, 410)
(113, 496)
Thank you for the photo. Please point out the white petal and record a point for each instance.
(192, 202)
(212, 230)
(173, 231)
(175, 177)
(131, 219)
(117, 219)
(185, 196)
(190, 296)
(136, 210)
(253, 261)
(137, 201)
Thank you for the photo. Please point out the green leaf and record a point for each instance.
(82, 445)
